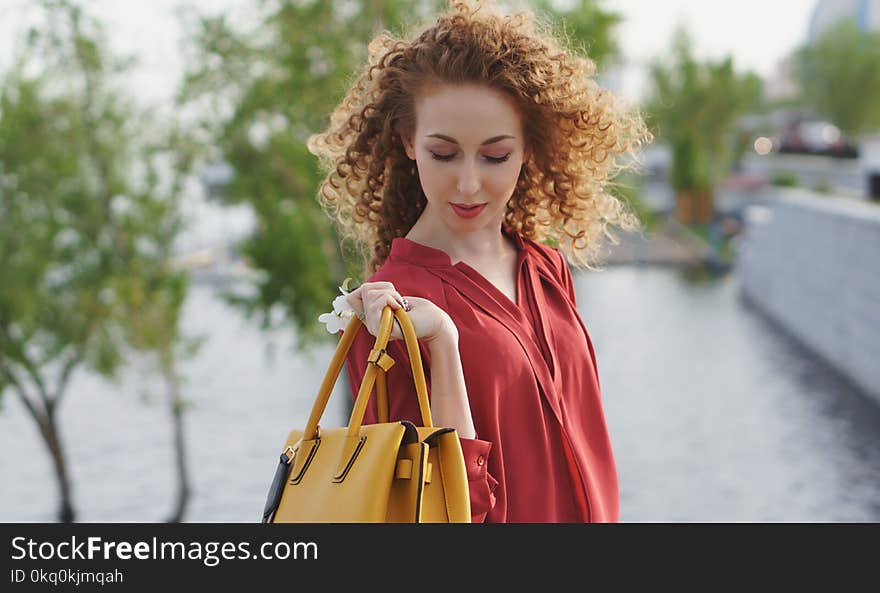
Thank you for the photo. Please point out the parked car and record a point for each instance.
(816, 137)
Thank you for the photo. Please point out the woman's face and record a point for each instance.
(469, 148)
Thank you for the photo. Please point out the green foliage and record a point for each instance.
(266, 90)
(628, 189)
(839, 76)
(88, 218)
(261, 92)
(57, 252)
(80, 234)
(784, 179)
(690, 167)
(694, 107)
(85, 223)
(586, 24)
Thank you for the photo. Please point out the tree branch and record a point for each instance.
(34, 375)
(16, 384)
(28, 366)
(71, 364)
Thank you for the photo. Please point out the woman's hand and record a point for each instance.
(369, 299)
(434, 326)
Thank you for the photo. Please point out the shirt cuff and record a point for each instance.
(481, 484)
(476, 453)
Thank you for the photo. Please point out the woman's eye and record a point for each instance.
(449, 157)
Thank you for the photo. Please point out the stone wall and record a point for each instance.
(812, 262)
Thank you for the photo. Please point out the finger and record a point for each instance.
(396, 330)
(357, 306)
(389, 299)
(398, 299)
(374, 313)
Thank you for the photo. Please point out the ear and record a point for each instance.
(406, 138)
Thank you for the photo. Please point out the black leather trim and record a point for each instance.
(410, 434)
(431, 439)
(276, 489)
(350, 463)
(313, 448)
(421, 485)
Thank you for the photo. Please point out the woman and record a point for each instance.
(453, 156)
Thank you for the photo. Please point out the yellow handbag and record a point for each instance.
(388, 472)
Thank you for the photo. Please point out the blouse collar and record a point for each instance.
(409, 251)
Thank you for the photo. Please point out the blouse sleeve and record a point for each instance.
(403, 405)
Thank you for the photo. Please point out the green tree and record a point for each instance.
(85, 223)
(153, 291)
(839, 76)
(694, 106)
(587, 25)
(261, 92)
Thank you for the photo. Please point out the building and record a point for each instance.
(782, 84)
(827, 13)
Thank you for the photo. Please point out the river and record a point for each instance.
(715, 416)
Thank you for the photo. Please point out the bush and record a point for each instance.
(823, 187)
(784, 179)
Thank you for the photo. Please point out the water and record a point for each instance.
(714, 416)
(248, 391)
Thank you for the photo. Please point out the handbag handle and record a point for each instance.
(378, 362)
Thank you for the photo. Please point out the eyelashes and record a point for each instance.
(449, 157)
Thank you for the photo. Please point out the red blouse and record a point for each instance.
(542, 452)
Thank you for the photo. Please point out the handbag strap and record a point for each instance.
(378, 362)
(382, 395)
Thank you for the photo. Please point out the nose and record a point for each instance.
(468, 179)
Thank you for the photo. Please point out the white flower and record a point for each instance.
(342, 312)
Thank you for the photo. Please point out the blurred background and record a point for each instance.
(163, 261)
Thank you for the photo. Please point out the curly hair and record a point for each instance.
(577, 132)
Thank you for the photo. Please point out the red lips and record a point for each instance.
(470, 211)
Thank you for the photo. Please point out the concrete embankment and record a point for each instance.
(671, 244)
(811, 262)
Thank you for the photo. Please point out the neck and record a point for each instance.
(486, 244)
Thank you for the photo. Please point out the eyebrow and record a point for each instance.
(491, 140)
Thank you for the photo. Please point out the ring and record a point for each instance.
(406, 305)
(361, 316)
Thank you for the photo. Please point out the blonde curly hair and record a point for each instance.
(576, 130)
